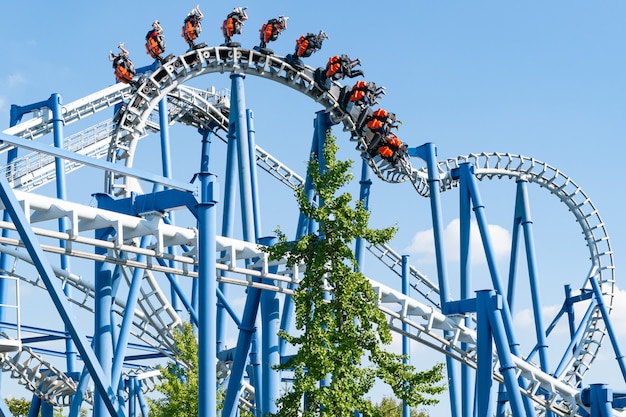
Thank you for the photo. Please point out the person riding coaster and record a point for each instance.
(365, 93)
(124, 69)
(192, 27)
(306, 45)
(339, 67)
(381, 121)
(232, 25)
(269, 31)
(393, 150)
(155, 45)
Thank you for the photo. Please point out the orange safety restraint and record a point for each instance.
(267, 30)
(301, 45)
(393, 141)
(378, 117)
(385, 152)
(358, 91)
(189, 31)
(333, 66)
(122, 74)
(152, 47)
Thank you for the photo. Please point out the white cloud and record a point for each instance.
(618, 312)
(423, 244)
(15, 79)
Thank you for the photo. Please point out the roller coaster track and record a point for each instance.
(167, 80)
(246, 259)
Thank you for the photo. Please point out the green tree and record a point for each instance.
(342, 336)
(179, 379)
(391, 407)
(18, 406)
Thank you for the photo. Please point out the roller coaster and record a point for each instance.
(158, 259)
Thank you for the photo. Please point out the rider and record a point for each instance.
(192, 27)
(309, 43)
(381, 121)
(365, 92)
(155, 45)
(342, 66)
(123, 66)
(270, 30)
(390, 151)
(233, 23)
(305, 46)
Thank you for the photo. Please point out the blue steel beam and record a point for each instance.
(166, 162)
(365, 184)
(207, 285)
(57, 123)
(465, 275)
(56, 294)
(609, 325)
(428, 153)
(522, 209)
(270, 313)
(103, 320)
(406, 347)
(162, 201)
(207, 289)
(95, 163)
(228, 219)
(254, 186)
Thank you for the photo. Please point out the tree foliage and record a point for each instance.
(342, 331)
(18, 406)
(391, 407)
(179, 379)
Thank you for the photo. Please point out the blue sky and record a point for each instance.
(541, 79)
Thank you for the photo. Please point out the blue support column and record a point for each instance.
(103, 326)
(466, 285)
(143, 404)
(597, 292)
(228, 219)
(132, 396)
(238, 116)
(166, 164)
(491, 305)
(256, 211)
(270, 319)
(35, 406)
(428, 153)
(600, 399)
(507, 368)
(54, 102)
(207, 289)
(406, 347)
(484, 355)
(523, 207)
(364, 195)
